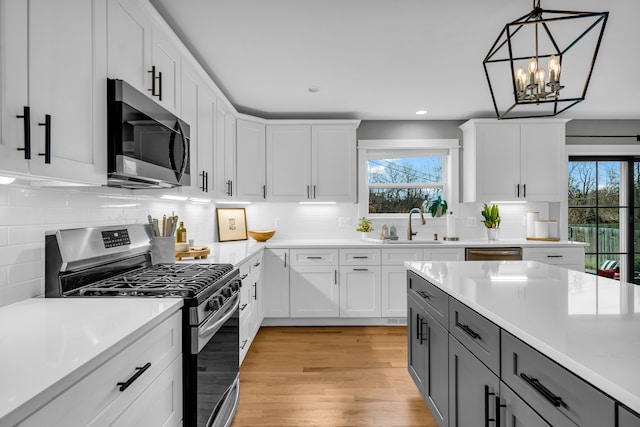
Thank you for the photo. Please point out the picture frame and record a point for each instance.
(232, 224)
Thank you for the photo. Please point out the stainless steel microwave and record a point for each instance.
(148, 146)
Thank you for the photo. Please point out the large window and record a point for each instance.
(410, 175)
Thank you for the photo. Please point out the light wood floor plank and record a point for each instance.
(329, 377)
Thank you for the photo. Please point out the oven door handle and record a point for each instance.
(210, 329)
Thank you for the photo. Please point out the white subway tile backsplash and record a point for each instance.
(24, 272)
(20, 216)
(21, 235)
(21, 291)
(4, 281)
(10, 255)
(4, 236)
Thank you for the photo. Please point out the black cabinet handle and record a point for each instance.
(555, 256)
(314, 191)
(424, 295)
(545, 392)
(419, 327)
(360, 269)
(496, 418)
(285, 260)
(466, 329)
(424, 338)
(498, 405)
(243, 344)
(335, 277)
(361, 257)
(160, 85)
(524, 188)
(140, 371)
(244, 276)
(205, 182)
(47, 138)
(308, 196)
(231, 188)
(314, 257)
(153, 81)
(255, 291)
(243, 306)
(264, 191)
(26, 115)
(257, 264)
(518, 191)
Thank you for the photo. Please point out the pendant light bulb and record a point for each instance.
(533, 65)
(554, 69)
(540, 76)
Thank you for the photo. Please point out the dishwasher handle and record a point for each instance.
(494, 254)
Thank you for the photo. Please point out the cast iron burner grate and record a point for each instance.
(160, 280)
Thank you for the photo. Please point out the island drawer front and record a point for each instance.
(397, 256)
(479, 335)
(101, 388)
(626, 418)
(435, 301)
(359, 256)
(311, 257)
(552, 391)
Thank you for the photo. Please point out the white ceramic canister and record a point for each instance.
(532, 217)
(542, 229)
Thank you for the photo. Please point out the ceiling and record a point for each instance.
(385, 59)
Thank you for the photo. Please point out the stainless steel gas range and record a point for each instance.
(118, 262)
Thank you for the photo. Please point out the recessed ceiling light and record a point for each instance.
(421, 112)
(314, 89)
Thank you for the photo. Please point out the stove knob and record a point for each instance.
(235, 286)
(226, 292)
(214, 304)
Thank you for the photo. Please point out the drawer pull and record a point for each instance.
(487, 420)
(424, 295)
(360, 269)
(555, 256)
(314, 257)
(243, 306)
(466, 329)
(244, 276)
(545, 392)
(257, 264)
(140, 371)
(244, 342)
(361, 257)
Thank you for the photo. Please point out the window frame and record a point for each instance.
(449, 149)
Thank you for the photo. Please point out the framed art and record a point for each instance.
(232, 224)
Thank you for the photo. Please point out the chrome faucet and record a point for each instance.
(411, 233)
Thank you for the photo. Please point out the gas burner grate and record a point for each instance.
(176, 280)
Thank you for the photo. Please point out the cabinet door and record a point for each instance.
(13, 85)
(288, 163)
(436, 386)
(276, 283)
(189, 107)
(67, 73)
(360, 291)
(497, 161)
(471, 386)
(166, 58)
(449, 254)
(129, 43)
(543, 162)
(416, 346)
(224, 153)
(315, 292)
(207, 107)
(333, 167)
(394, 291)
(250, 165)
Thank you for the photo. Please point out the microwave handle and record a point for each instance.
(185, 150)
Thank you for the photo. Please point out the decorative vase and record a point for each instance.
(364, 235)
(493, 233)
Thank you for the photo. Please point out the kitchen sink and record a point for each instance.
(413, 242)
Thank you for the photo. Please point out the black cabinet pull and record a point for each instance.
(545, 392)
(524, 188)
(555, 256)
(244, 276)
(255, 291)
(466, 329)
(231, 188)
(47, 138)
(361, 257)
(264, 191)
(285, 260)
(243, 306)
(518, 191)
(257, 264)
(424, 337)
(308, 197)
(360, 269)
(26, 115)
(314, 191)
(496, 418)
(160, 85)
(419, 327)
(205, 182)
(314, 257)
(153, 81)
(243, 344)
(140, 371)
(424, 295)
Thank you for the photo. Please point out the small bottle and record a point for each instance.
(385, 231)
(392, 231)
(181, 233)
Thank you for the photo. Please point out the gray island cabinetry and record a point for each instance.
(527, 344)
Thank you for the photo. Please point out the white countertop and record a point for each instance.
(586, 323)
(50, 343)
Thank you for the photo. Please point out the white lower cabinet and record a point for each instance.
(315, 291)
(360, 291)
(276, 283)
(152, 366)
(394, 280)
(251, 296)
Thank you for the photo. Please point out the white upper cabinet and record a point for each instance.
(56, 53)
(143, 54)
(288, 162)
(311, 162)
(250, 165)
(225, 154)
(514, 160)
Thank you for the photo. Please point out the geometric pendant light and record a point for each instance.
(542, 62)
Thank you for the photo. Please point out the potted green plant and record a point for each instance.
(364, 226)
(437, 207)
(491, 215)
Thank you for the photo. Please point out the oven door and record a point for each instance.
(213, 384)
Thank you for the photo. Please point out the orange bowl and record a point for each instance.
(261, 235)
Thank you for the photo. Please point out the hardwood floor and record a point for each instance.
(329, 376)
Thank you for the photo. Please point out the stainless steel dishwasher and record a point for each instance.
(493, 254)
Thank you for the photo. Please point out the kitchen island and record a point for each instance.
(588, 325)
